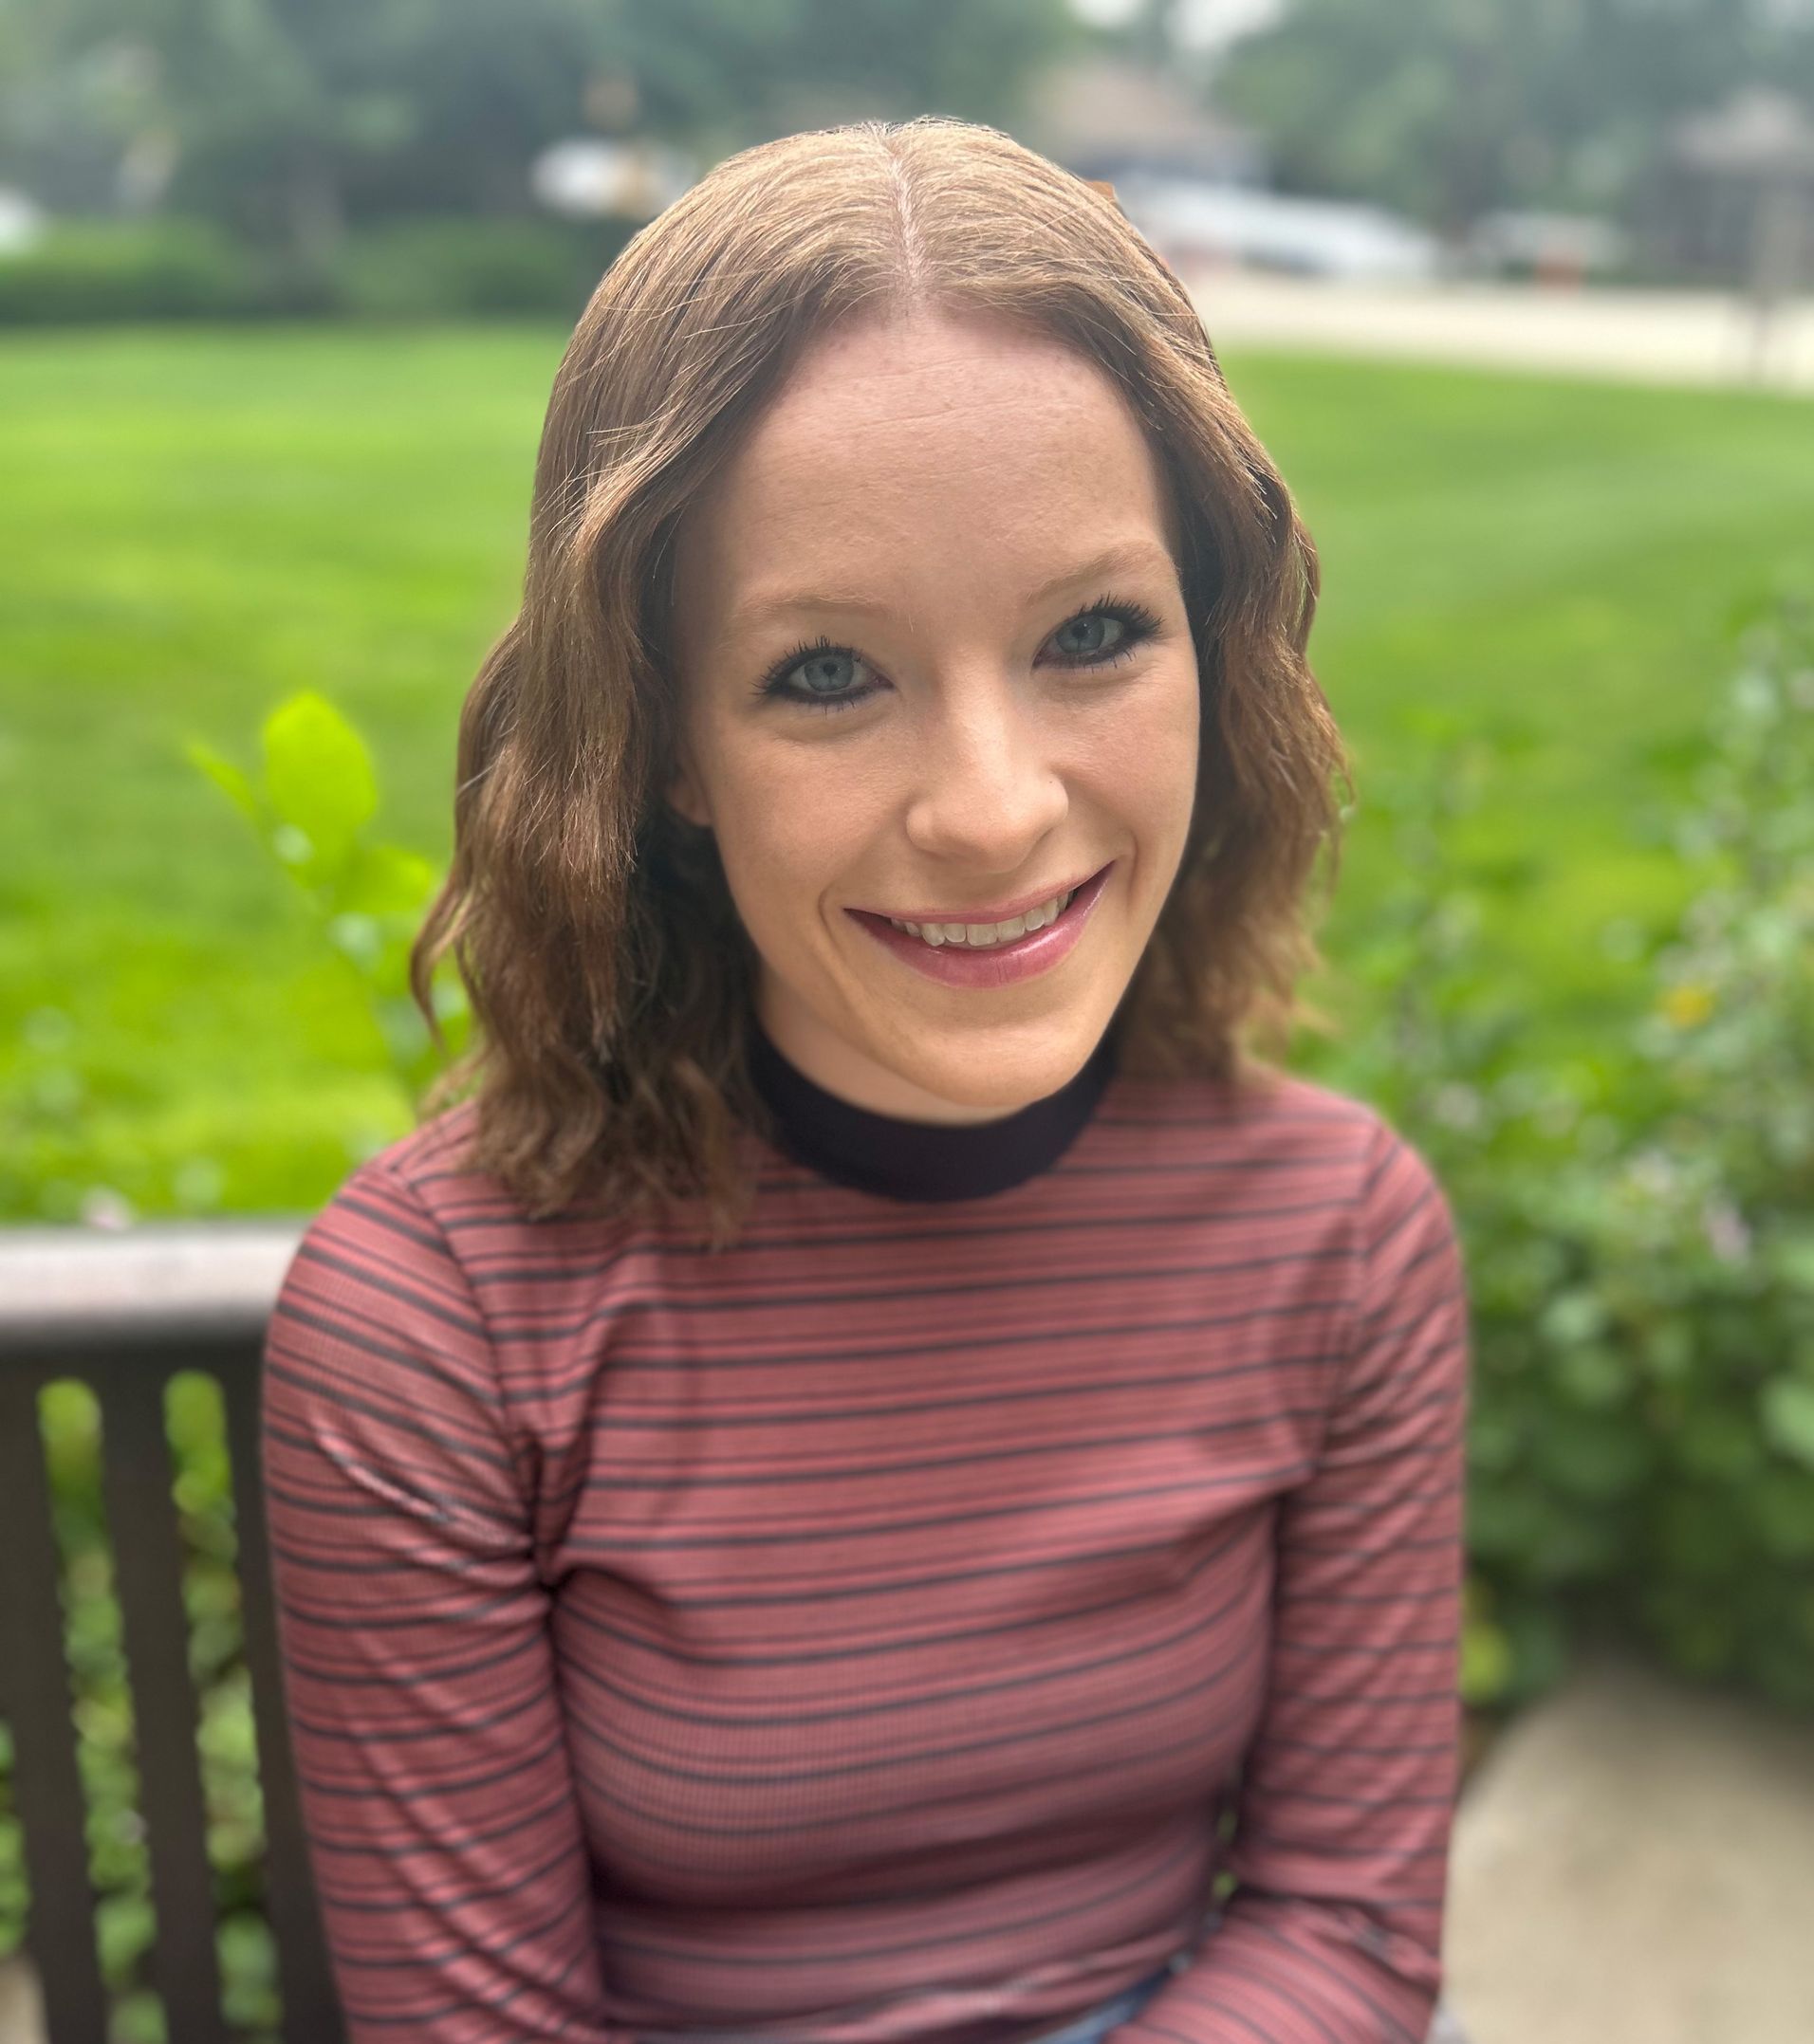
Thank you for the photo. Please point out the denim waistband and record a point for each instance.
(1095, 2023)
(1086, 2028)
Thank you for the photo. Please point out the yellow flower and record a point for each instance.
(1689, 1004)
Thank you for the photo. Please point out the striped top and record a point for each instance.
(918, 1621)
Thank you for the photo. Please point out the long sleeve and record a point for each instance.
(435, 1781)
(1333, 1933)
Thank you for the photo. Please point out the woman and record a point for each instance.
(883, 1475)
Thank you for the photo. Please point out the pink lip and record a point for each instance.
(1001, 965)
(1001, 911)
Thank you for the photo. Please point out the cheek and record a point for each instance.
(1142, 761)
(787, 831)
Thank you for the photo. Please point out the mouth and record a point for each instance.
(985, 930)
(994, 952)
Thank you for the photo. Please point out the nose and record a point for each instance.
(987, 785)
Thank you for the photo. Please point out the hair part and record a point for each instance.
(608, 973)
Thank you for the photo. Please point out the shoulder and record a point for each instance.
(1393, 1193)
(432, 1154)
(405, 1212)
(433, 1169)
(1392, 1229)
(423, 1202)
(1315, 1159)
(1272, 1120)
(380, 1368)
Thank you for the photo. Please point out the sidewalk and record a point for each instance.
(1633, 1864)
(1652, 337)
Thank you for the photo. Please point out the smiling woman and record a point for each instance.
(879, 1474)
(848, 456)
(1001, 733)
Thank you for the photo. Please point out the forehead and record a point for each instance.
(960, 445)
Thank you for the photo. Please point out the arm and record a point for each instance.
(1333, 1934)
(435, 1792)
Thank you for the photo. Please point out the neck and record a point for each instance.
(898, 1157)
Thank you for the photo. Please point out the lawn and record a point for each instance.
(196, 524)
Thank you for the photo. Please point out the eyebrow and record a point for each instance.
(1131, 556)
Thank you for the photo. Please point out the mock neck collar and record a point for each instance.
(921, 1160)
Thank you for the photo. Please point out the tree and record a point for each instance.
(288, 116)
(1447, 108)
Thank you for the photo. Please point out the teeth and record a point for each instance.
(980, 936)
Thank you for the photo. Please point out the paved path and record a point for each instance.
(1633, 1864)
(21, 2007)
(1659, 336)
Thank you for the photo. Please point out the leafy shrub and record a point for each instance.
(172, 267)
(86, 269)
(1638, 1225)
(310, 810)
(427, 269)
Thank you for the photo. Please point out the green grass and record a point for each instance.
(196, 524)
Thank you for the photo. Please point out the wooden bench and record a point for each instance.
(122, 1313)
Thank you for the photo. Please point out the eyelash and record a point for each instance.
(1139, 622)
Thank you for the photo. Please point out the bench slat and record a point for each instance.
(148, 1570)
(34, 1694)
(311, 2008)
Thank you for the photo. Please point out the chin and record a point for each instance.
(999, 1080)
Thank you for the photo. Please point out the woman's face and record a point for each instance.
(936, 666)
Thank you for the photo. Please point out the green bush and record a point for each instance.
(1639, 1224)
(94, 270)
(91, 271)
(429, 268)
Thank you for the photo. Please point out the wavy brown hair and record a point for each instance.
(608, 974)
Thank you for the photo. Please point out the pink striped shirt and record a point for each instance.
(919, 1621)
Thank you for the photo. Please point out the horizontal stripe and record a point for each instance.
(877, 1627)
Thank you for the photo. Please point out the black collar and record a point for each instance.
(921, 1160)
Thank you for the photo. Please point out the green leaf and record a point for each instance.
(1594, 1375)
(1486, 1662)
(385, 880)
(1785, 1406)
(1790, 1258)
(1720, 1445)
(125, 1926)
(358, 937)
(1573, 1317)
(318, 771)
(233, 781)
(1780, 1505)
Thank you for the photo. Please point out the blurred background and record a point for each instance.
(1519, 293)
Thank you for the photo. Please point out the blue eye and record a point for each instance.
(825, 676)
(1090, 635)
(820, 676)
(828, 673)
(1108, 631)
